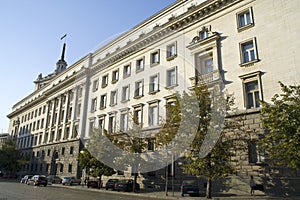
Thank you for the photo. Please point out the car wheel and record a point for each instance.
(182, 195)
(106, 188)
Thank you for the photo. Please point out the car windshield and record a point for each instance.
(189, 182)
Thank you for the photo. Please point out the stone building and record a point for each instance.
(246, 45)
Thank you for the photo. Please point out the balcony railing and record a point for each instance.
(207, 78)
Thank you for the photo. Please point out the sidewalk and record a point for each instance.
(177, 195)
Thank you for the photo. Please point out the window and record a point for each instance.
(103, 101)
(111, 123)
(70, 168)
(254, 155)
(101, 121)
(252, 94)
(139, 89)
(203, 34)
(140, 64)
(245, 19)
(171, 51)
(154, 59)
(150, 145)
(125, 93)
(71, 150)
(138, 117)
(126, 71)
(124, 122)
(63, 151)
(115, 76)
(113, 98)
(154, 84)
(80, 91)
(172, 77)
(95, 85)
(205, 64)
(252, 89)
(78, 110)
(91, 125)
(153, 115)
(94, 105)
(104, 81)
(248, 51)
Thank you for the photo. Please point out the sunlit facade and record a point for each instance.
(246, 45)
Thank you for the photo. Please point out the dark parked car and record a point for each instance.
(126, 185)
(93, 184)
(26, 178)
(70, 180)
(110, 184)
(38, 180)
(190, 187)
(54, 179)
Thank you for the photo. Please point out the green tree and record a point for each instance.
(10, 157)
(211, 151)
(281, 119)
(93, 166)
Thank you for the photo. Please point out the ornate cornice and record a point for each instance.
(174, 25)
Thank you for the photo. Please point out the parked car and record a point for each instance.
(93, 184)
(26, 178)
(38, 180)
(70, 180)
(54, 179)
(110, 184)
(126, 185)
(190, 187)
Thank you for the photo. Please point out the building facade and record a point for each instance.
(246, 45)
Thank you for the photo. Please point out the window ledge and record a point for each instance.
(154, 64)
(103, 86)
(125, 100)
(114, 81)
(169, 58)
(242, 28)
(126, 76)
(138, 97)
(249, 64)
(154, 92)
(171, 87)
(139, 70)
(102, 108)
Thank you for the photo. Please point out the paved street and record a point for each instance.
(12, 190)
(17, 191)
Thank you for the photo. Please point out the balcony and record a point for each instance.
(209, 78)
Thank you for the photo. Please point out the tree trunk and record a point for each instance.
(99, 181)
(208, 189)
(134, 182)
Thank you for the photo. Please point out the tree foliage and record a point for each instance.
(281, 119)
(10, 157)
(94, 167)
(217, 146)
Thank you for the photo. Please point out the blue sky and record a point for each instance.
(31, 30)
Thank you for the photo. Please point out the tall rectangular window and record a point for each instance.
(125, 93)
(252, 89)
(103, 101)
(124, 122)
(154, 57)
(172, 77)
(154, 84)
(111, 124)
(139, 89)
(94, 105)
(248, 51)
(126, 71)
(104, 81)
(153, 115)
(252, 94)
(115, 76)
(140, 64)
(95, 85)
(171, 51)
(113, 98)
